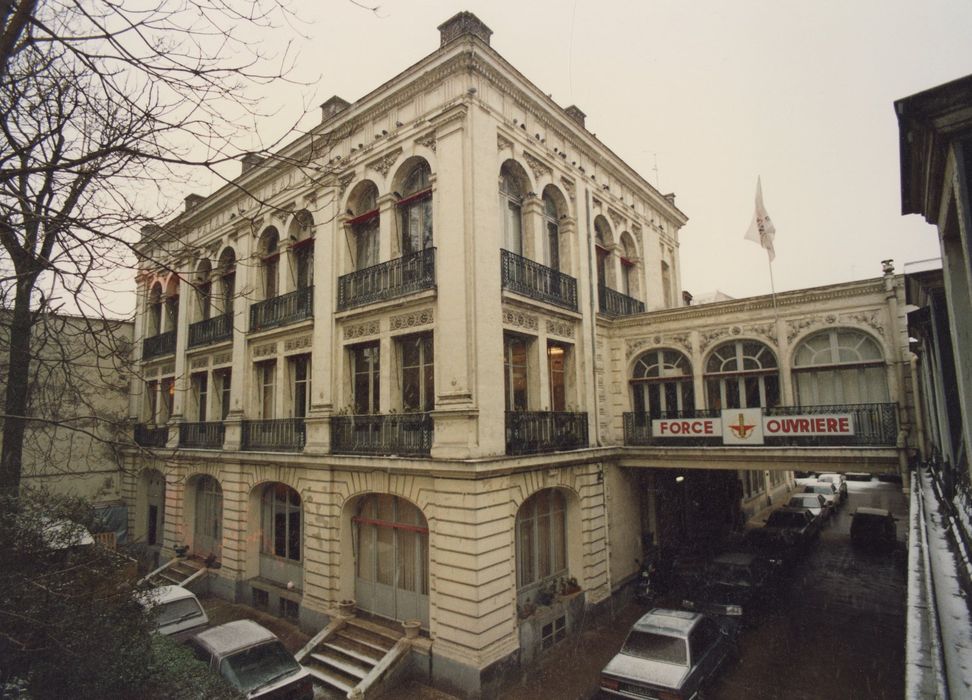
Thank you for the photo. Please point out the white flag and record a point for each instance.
(761, 230)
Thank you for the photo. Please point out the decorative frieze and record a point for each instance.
(199, 363)
(168, 368)
(343, 182)
(224, 358)
(423, 317)
(708, 337)
(538, 167)
(795, 328)
(616, 218)
(866, 318)
(565, 329)
(384, 164)
(518, 319)
(361, 330)
(569, 187)
(303, 341)
(503, 142)
(675, 340)
(428, 140)
(264, 350)
(767, 330)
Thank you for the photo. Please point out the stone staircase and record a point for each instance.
(177, 571)
(351, 654)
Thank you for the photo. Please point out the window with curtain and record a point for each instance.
(839, 366)
(551, 221)
(266, 385)
(415, 208)
(366, 229)
(541, 538)
(515, 372)
(418, 372)
(661, 383)
(270, 261)
(365, 388)
(300, 384)
(511, 206)
(557, 356)
(742, 374)
(281, 522)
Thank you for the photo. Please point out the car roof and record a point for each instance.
(735, 558)
(231, 636)
(864, 510)
(166, 594)
(672, 622)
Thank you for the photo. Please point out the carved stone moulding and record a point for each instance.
(264, 350)
(518, 319)
(565, 329)
(361, 330)
(298, 343)
(200, 363)
(224, 358)
(415, 319)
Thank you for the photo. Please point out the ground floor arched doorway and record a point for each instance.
(391, 540)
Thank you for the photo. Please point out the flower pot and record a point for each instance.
(412, 628)
(347, 607)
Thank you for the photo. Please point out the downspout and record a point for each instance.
(592, 295)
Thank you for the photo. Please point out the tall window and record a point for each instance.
(266, 385)
(304, 262)
(415, 208)
(365, 366)
(200, 394)
(839, 366)
(166, 395)
(152, 402)
(418, 372)
(365, 227)
(270, 262)
(666, 280)
(627, 266)
(511, 206)
(541, 538)
(204, 290)
(742, 374)
(557, 368)
(300, 378)
(515, 372)
(172, 309)
(281, 522)
(601, 251)
(154, 311)
(223, 378)
(661, 383)
(227, 279)
(551, 222)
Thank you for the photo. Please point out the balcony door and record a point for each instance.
(208, 530)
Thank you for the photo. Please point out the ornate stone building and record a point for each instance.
(419, 359)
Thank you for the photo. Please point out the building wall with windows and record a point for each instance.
(395, 363)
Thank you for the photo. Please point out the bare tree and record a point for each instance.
(99, 101)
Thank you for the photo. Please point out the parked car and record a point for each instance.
(668, 654)
(733, 586)
(253, 660)
(839, 482)
(799, 521)
(814, 502)
(787, 532)
(873, 527)
(178, 613)
(827, 490)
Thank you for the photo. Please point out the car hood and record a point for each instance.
(265, 690)
(647, 671)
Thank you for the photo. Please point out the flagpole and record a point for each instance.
(769, 264)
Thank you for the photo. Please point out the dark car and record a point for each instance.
(873, 527)
(734, 585)
(798, 522)
(668, 654)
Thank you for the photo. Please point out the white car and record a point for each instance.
(178, 613)
(813, 502)
(839, 482)
(827, 490)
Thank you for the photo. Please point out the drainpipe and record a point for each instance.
(593, 304)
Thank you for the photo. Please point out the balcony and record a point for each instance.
(537, 281)
(151, 435)
(211, 330)
(281, 310)
(533, 432)
(614, 303)
(279, 435)
(385, 434)
(871, 425)
(158, 345)
(387, 280)
(202, 435)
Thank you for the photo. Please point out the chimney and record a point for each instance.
(193, 201)
(461, 24)
(686, 297)
(250, 161)
(577, 115)
(151, 231)
(332, 107)
(670, 197)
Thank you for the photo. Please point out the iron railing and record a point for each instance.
(530, 432)
(283, 309)
(875, 425)
(279, 435)
(537, 281)
(151, 435)
(211, 330)
(385, 434)
(206, 435)
(613, 303)
(387, 280)
(157, 345)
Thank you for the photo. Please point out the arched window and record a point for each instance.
(302, 232)
(171, 304)
(551, 225)
(661, 384)
(204, 290)
(839, 366)
(602, 235)
(666, 281)
(227, 280)
(270, 261)
(541, 538)
(415, 207)
(365, 227)
(511, 206)
(154, 311)
(742, 374)
(628, 268)
(281, 522)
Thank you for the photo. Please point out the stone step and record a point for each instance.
(329, 679)
(388, 634)
(346, 667)
(362, 637)
(349, 647)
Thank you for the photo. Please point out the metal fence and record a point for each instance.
(206, 435)
(281, 310)
(530, 432)
(157, 345)
(278, 435)
(387, 280)
(151, 436)
(614, 303)
(389, 434)
(537, 281)
(211, 330)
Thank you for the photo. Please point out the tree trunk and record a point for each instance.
(15, 401)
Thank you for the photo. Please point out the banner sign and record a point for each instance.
(748, 426)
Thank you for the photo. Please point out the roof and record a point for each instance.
(677, 622)
(880, 512)
(231, 636)
(735, 558)
(166, 594)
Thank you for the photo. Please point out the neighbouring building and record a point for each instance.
(433, 357)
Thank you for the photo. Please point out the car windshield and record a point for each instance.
(177, 611)
(658, 647)
(783, 519)
(258, 666)
(820, 488)
(733, 574)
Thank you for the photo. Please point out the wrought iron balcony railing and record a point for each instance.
(531, 432)
(384, 434)
(158, 345)
(206, 435)
(537, 281)
(211, 330)
(873, 425)
(151, 435)
(278, 435)
(614, 303)
(281, 310)
(387, 280)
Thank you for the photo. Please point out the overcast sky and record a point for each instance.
(700, 97)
